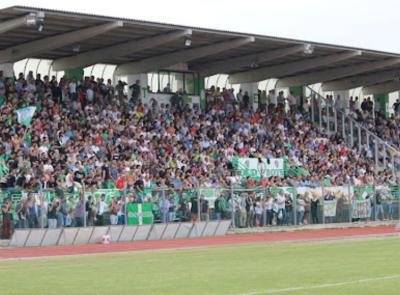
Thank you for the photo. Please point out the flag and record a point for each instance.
(25, 115)
(140, 213)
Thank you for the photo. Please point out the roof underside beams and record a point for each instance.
(163, 61)
(289, 68)
(96, 56)
(27, 20)
(382, 88)
(358, 81)
(33, 48)
(337, 73)
(227, 66)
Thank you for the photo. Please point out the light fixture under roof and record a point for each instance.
(308, 49)
(35, 20)
(188, 41)
(31, 20)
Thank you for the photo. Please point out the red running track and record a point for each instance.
(9, 253)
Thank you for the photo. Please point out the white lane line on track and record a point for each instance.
(338, 284)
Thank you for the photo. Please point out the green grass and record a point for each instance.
(244, 269)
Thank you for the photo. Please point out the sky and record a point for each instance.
(360, 23)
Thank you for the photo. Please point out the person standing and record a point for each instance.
(269, 204)
(7, 219)
(314, 209)
(33, 221)
(172, 209)
(113, 211)
(217, 208)
(63, 211)
(52, 213)
(181, 207)
(90, 211)
(164, 209)
(135, 91)
(22, 212)
(100, 208)
(194, 208)
(300, 209)
(258, 211)
(280, 201)
(379, 206)
(204, 208)
(121, 210)
(80, 212)
(288, 209)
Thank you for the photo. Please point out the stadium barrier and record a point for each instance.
(126, 233)
(244, 207)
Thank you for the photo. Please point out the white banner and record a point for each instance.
(330, 208)
(257, 168)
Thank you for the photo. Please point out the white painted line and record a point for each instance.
(293, 289)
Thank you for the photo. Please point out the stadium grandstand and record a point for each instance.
(102, 117)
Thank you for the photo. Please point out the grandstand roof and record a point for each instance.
(246, 57)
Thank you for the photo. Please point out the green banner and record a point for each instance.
(257, 167)
(140, 213)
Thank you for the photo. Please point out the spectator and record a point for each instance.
(204, 209)
(100, 210)
(52, 213)
(7, 219)
(113, 211)
(314, 208)
(80, 212)
(135, 91)
(300, 209)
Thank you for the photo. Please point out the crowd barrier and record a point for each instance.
(127, 233)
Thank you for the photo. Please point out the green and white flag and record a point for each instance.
(140, 213)
(257, 168)
(25, 115)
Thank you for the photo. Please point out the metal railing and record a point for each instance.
(244, 206)
(333, 120)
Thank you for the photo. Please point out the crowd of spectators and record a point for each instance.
(94, 134)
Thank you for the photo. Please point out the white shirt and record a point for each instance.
(281, 201)
(272, 99)
(72, 87)
(101, 207)
(89, 94)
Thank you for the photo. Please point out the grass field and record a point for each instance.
(367, 266)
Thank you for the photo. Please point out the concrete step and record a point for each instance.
(4, 243)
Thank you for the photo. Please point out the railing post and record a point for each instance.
(398, 198)
(328, 118)
(384, 155)
(84, 205)
(343, 126)
(392, 158)
(41, 206)
(312, 109)
(198, 205)
(125, 207)
(351, 133)
(351, 196)
(320, 114)
(232, 205)
(295, 208)
(359, 138)
(376, 153)
(336, 121)
(323, 202)
(263, 206)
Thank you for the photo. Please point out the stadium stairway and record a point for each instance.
(331, 121)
